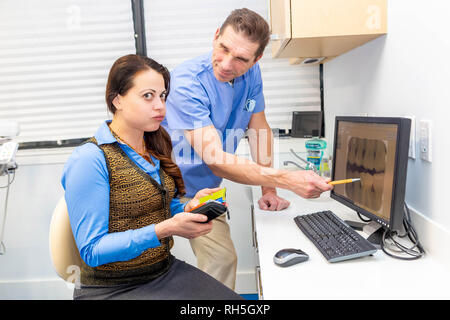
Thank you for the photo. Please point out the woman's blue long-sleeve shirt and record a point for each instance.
(86, 183)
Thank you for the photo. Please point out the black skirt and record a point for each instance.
(181, 282)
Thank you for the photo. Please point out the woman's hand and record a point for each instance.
(185, 224)
(195, 201)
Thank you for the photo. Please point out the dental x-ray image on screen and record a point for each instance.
(367, 151)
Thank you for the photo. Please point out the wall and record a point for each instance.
(26, 271)
(404, 73)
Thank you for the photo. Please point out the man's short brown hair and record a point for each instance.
(251, 24)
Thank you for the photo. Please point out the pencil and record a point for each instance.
(343, 181)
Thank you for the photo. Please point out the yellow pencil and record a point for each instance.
(343, 181)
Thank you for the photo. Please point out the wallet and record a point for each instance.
(212, 209)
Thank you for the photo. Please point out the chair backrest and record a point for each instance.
(63, 250)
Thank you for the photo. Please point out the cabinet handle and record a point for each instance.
(258, 283)
(254, 238)
(253, 225)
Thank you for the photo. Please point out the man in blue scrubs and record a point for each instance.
(214, 99)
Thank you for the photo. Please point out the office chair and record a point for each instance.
(63, 250)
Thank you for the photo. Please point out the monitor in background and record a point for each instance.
(306, 124)
(374, 149)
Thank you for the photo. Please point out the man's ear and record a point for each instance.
(216, 35)
(256, 60)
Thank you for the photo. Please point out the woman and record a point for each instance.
(122, 192)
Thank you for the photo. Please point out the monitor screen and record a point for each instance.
(309, 124)
(306, 124)
(368, 148)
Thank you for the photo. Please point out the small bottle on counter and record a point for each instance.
(325, 165)
(315, 150)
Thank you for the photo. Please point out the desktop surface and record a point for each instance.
(371, 277)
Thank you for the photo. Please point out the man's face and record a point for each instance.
(233, 54)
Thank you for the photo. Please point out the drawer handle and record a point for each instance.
(258, 283)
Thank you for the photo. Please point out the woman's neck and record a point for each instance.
(134, 138)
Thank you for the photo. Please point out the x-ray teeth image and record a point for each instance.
(366, 160)
(366, 151)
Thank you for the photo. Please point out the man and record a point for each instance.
(213, 100)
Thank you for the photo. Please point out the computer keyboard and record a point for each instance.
(333, 237)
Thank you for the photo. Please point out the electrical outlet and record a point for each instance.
(412, 138)
(425, 140)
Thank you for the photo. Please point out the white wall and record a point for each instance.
(26, 271)
(405, 73)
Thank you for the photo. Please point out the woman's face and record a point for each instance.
(143, 107)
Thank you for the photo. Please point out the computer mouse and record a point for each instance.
(288, 257)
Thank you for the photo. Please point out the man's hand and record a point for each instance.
(270, 201)
(306, 183)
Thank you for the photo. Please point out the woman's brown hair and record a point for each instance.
(158, 142)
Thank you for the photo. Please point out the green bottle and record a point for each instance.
(315, 148)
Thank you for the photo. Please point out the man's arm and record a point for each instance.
(208, 145)
(260, 139)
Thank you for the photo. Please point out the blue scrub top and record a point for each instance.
(197, 99)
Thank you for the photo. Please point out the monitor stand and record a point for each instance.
(356, 225)
(375, 232)
(373, 229)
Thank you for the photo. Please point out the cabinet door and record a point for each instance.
(323, 18)
(280, 24)
(324, 28)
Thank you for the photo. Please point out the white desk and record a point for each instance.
(373, 277)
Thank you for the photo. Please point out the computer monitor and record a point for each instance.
(374, 149)
(306, 124)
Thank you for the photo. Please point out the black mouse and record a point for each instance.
(288, 257)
